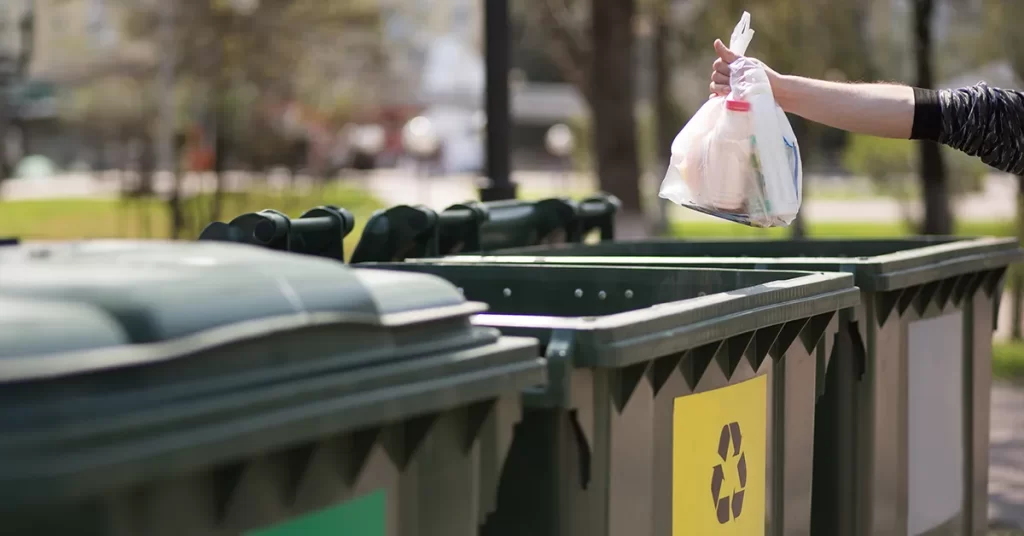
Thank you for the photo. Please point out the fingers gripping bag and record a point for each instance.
(737, 158)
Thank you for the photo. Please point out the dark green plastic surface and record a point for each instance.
(864, 471)
(150, 294)
(877, 265)
(593, 455)
(221, 389)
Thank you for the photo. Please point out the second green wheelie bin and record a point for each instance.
(680, 401)
(211, 389)
(903, 433)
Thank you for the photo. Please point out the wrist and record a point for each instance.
(782, 89)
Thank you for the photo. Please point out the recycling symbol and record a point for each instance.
(728, 492)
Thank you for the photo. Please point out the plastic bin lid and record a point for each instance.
(122, 362)
(101, 294)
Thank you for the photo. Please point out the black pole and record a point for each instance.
(498, 58)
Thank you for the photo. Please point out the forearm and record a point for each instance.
(885, 110)
(978, 120)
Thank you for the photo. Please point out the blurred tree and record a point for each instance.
(262, 52)
(592, 43)
(612, 103)
(113, 106)
(938, 218)
(887, 164)
(1004, 38)
(890, 164)
(668, 115)
(240, 63)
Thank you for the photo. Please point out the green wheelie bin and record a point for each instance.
(680, 401)
(210, 389)
(903, 427)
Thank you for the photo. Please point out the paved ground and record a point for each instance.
(1005, 323)
(1006, 455)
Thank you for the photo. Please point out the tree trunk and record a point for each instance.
(219, 158)
(6, 168)
(612, 101)
(174, 206)
(938, 218)
(667, 117)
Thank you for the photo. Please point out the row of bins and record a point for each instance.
(902, 428)
(648, 388)
(406, 231)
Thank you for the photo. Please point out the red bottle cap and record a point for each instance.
(737, 105)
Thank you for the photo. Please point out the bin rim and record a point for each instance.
(70, 363)
(120, 450)
(884, 272)
(634, 336)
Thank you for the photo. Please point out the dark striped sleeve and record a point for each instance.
(978, 120)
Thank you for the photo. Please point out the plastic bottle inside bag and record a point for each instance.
(729, 159)
(737, 158)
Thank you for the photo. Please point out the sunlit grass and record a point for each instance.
(73, 219)
(1008, 360)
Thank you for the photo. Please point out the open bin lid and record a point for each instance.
(625, 315)
(877, 265)
(125, 360)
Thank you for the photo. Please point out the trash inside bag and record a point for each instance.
(737, 158)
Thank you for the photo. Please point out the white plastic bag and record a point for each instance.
(737, 158)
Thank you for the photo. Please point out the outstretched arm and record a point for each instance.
(978, 120)
(884, 110)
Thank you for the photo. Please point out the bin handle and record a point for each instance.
(523, 223)
(398, 233)
(596, 212)
(320, 231)
(459, 227)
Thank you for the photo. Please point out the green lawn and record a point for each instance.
(70, 219)
(1008, 361)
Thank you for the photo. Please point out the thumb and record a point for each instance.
(723, 52)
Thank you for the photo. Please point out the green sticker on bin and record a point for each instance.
(364, 516)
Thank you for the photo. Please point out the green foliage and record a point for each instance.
(879, 159)
(817, 38)
(646, 137)
(237, 67)
(582, 160)
(1008, 360)
(109, 105)
(966, 173)
(891, 163)
(1001, 35)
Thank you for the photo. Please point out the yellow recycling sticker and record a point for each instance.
(718, 461)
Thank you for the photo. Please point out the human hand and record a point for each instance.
(720, 69)
(720, 84)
